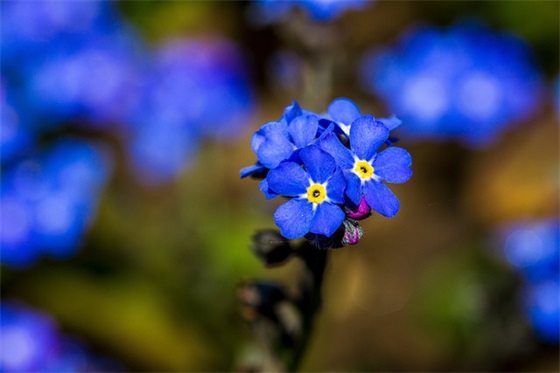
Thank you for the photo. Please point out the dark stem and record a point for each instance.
(310, 300)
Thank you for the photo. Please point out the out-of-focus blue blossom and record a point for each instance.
(320, 159)
(15, 136)
(542, 305)
(467, 83)
(70, 61)
(264, 12)
(47, 202)
(29, 28)
(196, 88)
(30, 341)
(532, 248)
(95, 82)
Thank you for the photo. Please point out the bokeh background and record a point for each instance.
(125, 227)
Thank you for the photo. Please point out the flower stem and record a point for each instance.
(310, 300)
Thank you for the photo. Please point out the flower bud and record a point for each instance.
(361, 212)
(271, 247)
(352, 232)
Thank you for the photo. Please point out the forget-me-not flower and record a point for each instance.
(364, 168)
(315, 190)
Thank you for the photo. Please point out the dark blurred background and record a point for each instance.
(123, 217)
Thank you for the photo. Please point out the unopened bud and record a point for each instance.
(352, 232)
(271, 247)
(361, 212)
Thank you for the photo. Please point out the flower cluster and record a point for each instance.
(532, 248)
(331, 167)
(467, 83)
(32, 342)
(273, 11)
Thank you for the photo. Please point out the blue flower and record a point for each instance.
(467, 83)
(282, 140)
(277, 141)
(47, 203)
(315, 190)
(364, 169)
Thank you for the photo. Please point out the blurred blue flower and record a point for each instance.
(316, 194)
(15, 137)
(47, 202)
(28, 339)
(542, 305)
(32, 342)
(364, 169)
(467, 83)
(29, 28)
(264, 12)
(532, 248)
(195, 89)
(94, 80)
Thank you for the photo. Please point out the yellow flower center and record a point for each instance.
(363, 169)
(316, 193)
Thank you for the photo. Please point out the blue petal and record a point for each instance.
(250, 170)
(381, 199)
(343, 110)
(271, 144)
(288, 179)
(366, 136)
(294, 218)
(319, 164)
(390, 123)
(342, 155)
(328, 217)
(269, 193)
(303, 130)
(293, 111)
(393, 165)
(336, 186)
(353, 187)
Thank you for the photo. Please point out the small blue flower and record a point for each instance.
(316, 193)
(282, 140)
(277, 141)
(364, 169)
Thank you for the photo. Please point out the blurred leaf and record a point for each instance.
(127, 315)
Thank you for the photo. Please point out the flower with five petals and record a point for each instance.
(316, 191)
(365, 169)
